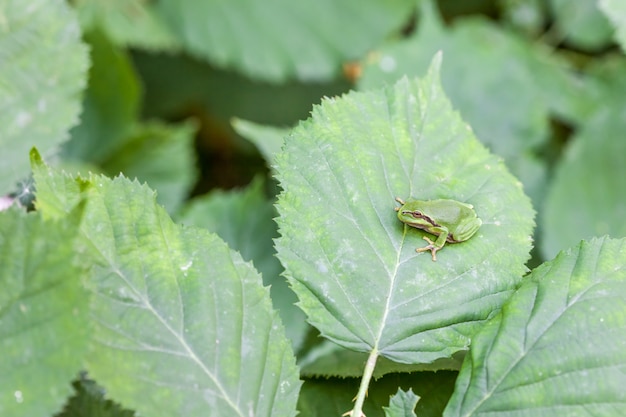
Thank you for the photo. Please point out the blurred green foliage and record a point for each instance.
(193, 98)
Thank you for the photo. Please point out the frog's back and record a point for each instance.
(450, 212)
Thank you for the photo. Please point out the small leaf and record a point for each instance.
(558, 347)
(589, 183)
(268, 139)
(43, 70)
(178, 317)
(275, 40)
(44, 331)
(351, 262)
(402, 404)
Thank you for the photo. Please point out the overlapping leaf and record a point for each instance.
(43, 313)
(178, 317)
(353, 265)
(558, 347)
(43, 67)
(493, 76)
(111, 104)
(244, 219)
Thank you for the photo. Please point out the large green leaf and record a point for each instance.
(43, 309)
(587, 196)
(558, 347)
(178, 317)
(615, 10)
(43, 67)
(279, 39)
(351, 262)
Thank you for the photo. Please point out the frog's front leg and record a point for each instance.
(438, 244)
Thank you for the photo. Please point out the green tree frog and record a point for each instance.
(450, 220)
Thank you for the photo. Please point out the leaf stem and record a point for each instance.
(357, 411)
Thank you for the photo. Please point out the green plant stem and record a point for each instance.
(365, 382)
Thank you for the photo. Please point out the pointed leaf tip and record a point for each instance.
(35, 157)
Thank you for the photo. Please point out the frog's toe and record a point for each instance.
(430, 247)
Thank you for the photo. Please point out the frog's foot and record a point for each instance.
(431, 247)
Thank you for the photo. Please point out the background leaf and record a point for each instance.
(402, 404)
(244, 219)
(615, 10)
(250, 36)
(589, 183)
(132, 23)
(559, 345)
(37, 107)
(43, 327)
(581, 23)
(111, 139)
(110, 106)
(351, 262)
(178, 317)
(268, 139)
(161, 155)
